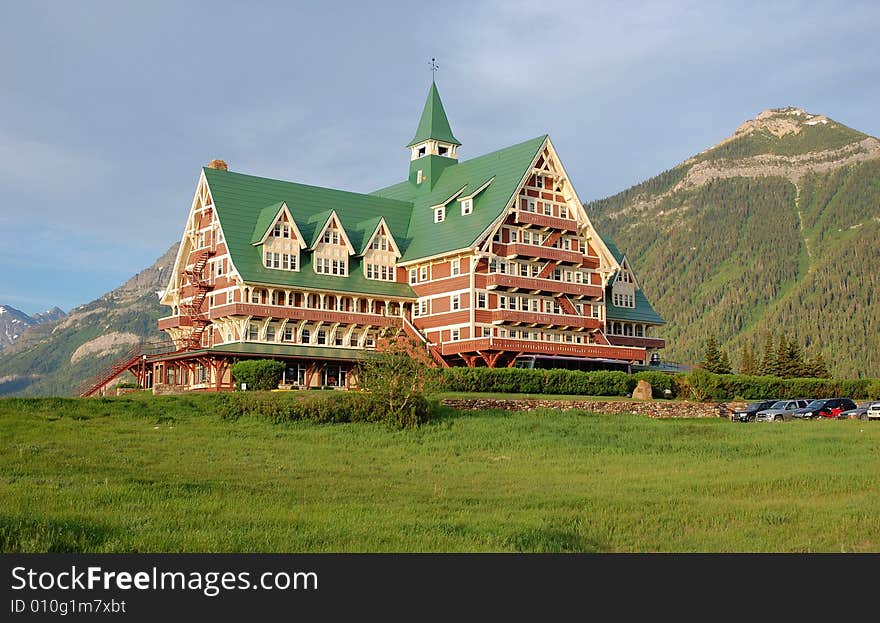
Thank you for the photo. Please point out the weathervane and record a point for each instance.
(434, 68)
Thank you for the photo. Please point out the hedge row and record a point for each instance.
(697, 385)
(559, 381)
(321, 408)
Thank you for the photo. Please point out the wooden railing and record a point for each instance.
(501, 280)
(537, 318)
(545, 348)
(302, 313)
(543, 220)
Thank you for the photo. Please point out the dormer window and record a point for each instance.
(467, 206)
(331, 237)
(440, 214)
(281, 230)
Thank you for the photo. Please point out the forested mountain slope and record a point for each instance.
(775, 228)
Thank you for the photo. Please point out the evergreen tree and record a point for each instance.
(795, 366)
(768, 357)
(711, 356)
(723, 363)
(782, 362)
(748, 360)
(816, 367)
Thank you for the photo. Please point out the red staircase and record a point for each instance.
(411, 330)
(193, 310)
(133, 361)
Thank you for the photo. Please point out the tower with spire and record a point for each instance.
(434, 147)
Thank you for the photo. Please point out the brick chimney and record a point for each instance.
(218, 164)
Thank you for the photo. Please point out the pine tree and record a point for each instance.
(782, 361)
(816, 367)
(711, 356)
(748, 360)
(795, 366)
(723, 363)
(768, 357)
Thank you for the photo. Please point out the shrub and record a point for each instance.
(699, 384)
(322, 408)
(128, 385)
(258, 374)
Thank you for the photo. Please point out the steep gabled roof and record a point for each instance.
(433, 123)
(426, 238)
(643, 311)
(241, 200)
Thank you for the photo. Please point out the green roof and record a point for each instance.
(433, 123)
(642, 312)
(505, 167)
(290, 350)
(245, 203)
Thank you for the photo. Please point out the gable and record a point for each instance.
(506, 168)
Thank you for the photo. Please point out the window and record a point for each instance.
(337, 338)
(467, 206)
(442, 150)
(481, 300)
(486, 332)
(455, 267)
(305, 337)
(421, 152)
(548, 208)
(322, 337)
(331, 237)
(455, 335)
(412, 275)
(455, 302)
(270, 333)
(253, 331)
(563, 211)
(639, 331)
(539, 181)
(423, 273)
(440, 214)
(255, 297)
(287, 336)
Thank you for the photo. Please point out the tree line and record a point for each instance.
(781, 357)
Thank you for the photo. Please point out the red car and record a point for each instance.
(826, 407)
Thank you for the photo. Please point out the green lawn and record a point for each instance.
(164, 474)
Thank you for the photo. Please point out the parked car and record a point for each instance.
(825, 407)
(859, 413)
(873, 412)
(781, 410)
(748, 413)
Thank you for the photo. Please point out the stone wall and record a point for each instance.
(167, 389)
(652, 408)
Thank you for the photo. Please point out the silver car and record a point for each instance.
(873, 412)
(781, 410)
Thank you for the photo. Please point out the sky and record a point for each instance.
(109, 109)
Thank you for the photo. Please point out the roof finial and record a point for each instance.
(434, 68)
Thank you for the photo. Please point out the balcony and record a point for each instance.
(536, 318)
(638, 342)
(532, 284)
(589, 261)
(301, 313)
(522, 217)
(595, 351)
(172, 322)
(515, 249)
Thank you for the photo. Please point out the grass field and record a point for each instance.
(165, 475)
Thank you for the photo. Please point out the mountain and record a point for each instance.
(774, 228)
(14, 322)
(54, 357)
